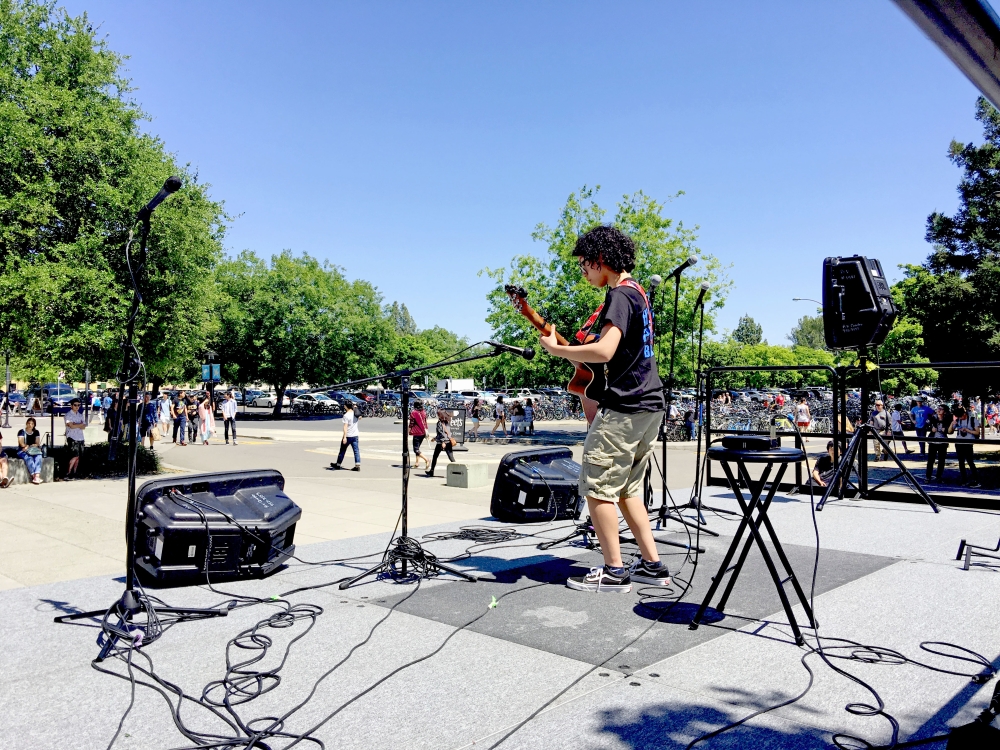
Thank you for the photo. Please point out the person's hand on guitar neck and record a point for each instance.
(599, 351)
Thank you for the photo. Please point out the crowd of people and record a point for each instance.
(934, 427)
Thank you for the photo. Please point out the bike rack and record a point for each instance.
(836, 434)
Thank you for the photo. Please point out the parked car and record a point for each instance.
(315, 403)
(267, 400)
(58, 395)
(483, 396)
(16, 398)
(342, 398)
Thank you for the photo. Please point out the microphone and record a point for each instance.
(654, 281)
(701, 296)
(526, 352)
(680, 269)
(172, 185)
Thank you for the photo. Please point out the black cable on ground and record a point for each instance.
(855, 652)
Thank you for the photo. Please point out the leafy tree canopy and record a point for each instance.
(748, 332)
(808, 332)
(955, 294)
(74, 168)
(559, 293)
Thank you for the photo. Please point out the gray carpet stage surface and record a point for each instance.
(599, 629)
(433, 666)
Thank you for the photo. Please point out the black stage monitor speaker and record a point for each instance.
(857, 306)
(536, 485)
(250, 527)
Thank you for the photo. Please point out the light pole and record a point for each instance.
(807, 299)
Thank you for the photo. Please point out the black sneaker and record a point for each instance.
(334, 465)
(601, 580)
(641, 572)
(357, 467)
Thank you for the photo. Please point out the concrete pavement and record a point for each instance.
(69, 530)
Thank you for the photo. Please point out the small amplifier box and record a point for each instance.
(750, 443)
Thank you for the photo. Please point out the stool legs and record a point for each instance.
(753, 523)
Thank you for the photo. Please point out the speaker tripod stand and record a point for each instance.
(842, 476)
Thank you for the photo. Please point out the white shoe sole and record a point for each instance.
(651, 581)
(609, 589)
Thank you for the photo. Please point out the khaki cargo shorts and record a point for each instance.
(616, 453)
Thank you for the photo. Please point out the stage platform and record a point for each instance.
(546, 667)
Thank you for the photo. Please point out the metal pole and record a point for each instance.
(863, 457)
(6, 413)
(404, 397)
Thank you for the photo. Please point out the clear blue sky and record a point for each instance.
(414, 143)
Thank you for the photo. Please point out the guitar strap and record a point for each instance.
(582, 334)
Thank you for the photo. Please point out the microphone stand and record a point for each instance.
(405, 551)
(663, 514)
(133, 600)
(701, 397)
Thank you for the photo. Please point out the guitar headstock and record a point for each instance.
(517, 295)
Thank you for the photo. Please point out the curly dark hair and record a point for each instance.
(607, 245)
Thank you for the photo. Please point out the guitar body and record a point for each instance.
(585, 378)
(588, 380)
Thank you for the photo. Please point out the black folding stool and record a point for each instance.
(781, 457)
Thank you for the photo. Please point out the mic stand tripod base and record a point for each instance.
(127, 608)
(406, 550)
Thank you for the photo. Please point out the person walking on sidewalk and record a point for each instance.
(76, 422)
(149, 417)
(206, 419)
(442, 439)
(95, 406)
(529, 416)
(896, 423)
(475, 414)
(179, 409)
(880, 421)
(500, 411)
(350, 438)
(619, 442)
(192, 417)
(418, 431)
(165, 415)
(229, 416)
(921, 414)
(938, 429)
(966, 429)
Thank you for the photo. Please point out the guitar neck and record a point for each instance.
(541, 324)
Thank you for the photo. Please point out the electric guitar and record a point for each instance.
(588, 380)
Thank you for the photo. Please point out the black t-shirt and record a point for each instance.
(30, 438)
(823, 464)
(633, 382)
(179, 406)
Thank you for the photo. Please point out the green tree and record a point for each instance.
(731, 353)
(556, 289)
(955, 294)
(401, 319)
(748, 332)
(296, 320)
(74, 168)
(808, 332)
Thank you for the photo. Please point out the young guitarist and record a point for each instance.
(616, 452)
